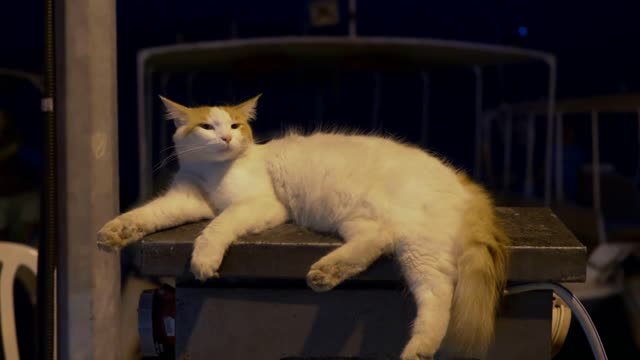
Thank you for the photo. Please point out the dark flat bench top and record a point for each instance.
(543, 249)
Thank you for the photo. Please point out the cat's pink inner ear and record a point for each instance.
(175, 111)
(247, 109)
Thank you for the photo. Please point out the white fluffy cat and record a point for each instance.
(379, 196)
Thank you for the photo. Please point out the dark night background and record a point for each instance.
(593, 43)
(596, 44)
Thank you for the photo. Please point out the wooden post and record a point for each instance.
(88, 279)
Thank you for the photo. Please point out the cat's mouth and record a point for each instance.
(225, 149)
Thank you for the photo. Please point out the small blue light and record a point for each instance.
(523, 31)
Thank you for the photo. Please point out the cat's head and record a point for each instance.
(211, 133)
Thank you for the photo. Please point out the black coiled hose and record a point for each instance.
(48, 240)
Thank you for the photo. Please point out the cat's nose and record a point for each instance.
(226, 138)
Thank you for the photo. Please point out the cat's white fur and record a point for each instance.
(380, 196)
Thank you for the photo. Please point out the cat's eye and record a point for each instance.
(235, 125)
(206, 126)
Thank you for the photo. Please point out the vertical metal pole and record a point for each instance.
(477, 172)
(637, 178)
(595, 149)
(559, 158)
(319, 109)
(506, 168)
(375, 112)
(551, 103)
(162, 138)
(353, 28)
(88, 279)
(595, 152)
(531, 139)
(147, 190)
(189, 88)
(144, 130)
(233, 33)
(487, 145)
(164, 84)
(424, 125)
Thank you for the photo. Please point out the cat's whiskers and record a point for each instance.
(175, 155)
(168, 148)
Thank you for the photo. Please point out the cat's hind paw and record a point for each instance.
(417, 357)
(417, 350)
(117, 233)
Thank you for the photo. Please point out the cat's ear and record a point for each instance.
(176, 112)
(246, 111)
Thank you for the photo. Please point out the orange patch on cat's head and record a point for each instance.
(190, 118)
(185, 116)
(243, 113)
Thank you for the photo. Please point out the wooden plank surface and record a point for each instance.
(543, 249)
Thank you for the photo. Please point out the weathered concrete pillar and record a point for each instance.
(88, 279)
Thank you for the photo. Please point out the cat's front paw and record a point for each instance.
(324, 277)
(205, 259)
(119, 232)
(202, 269)
(417, 350)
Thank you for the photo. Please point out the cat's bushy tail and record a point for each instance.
(481, 279)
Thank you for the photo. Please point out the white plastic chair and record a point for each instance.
(12, 257)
